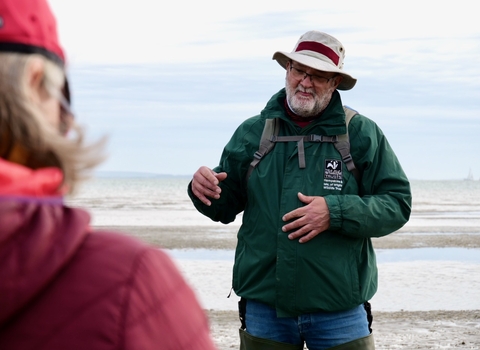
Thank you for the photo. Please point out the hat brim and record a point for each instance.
(347, 83)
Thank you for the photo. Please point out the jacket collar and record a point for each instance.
(331, 122)
(18, 180)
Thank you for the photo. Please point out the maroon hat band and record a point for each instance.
(319, 48)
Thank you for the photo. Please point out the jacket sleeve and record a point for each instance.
(161, 310)
(383, 204)
(235, 160)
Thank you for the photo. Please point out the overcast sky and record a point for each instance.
(169, 82)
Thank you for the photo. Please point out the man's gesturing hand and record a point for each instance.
(205, 184)
(309, 220)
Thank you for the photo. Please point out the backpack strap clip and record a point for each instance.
(321, 138)
(258, 155)
(270, 137)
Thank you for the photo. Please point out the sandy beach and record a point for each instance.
(402, 329)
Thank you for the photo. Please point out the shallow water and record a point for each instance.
(417, 279)
(164, 202)
(469, 255)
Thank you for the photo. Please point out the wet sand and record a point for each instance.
(392, 330)
(224, 237)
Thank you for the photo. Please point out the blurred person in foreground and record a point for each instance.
(305, 267)
(63, 285)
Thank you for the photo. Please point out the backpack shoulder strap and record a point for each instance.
(271, 128)
(270, 132)
(343, 144)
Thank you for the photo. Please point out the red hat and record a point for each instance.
(28, 26)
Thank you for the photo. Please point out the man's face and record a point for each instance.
(308, 95)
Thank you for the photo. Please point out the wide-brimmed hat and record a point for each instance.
(29, 26)
(319, 51)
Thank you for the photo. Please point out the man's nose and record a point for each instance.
(306, 81)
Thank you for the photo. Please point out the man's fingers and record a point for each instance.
(298, 223)
(205, 184)
(308, 237)
(221, 176)
(294, 214)
(305, 234)
(305, 199)
(206, 187)
(203, 189)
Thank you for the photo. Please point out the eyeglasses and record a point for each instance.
(66, 113)
(314, 79)
(64, 105)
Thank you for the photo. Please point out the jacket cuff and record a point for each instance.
(335, 210)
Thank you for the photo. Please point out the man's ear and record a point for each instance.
(35, 79)
(338, 79)
(287, 67)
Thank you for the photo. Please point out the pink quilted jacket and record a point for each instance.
(63, 286)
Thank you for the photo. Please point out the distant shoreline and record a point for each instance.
(136, 175)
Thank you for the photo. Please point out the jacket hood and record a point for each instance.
(331, 122)
(38, 236)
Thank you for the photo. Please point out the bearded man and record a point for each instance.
(305, 266)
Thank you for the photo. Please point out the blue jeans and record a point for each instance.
(319, 330)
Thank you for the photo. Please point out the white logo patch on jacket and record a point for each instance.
(332, 175)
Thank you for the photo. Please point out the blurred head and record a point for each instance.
(35, 115)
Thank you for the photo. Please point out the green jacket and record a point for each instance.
(337, 269)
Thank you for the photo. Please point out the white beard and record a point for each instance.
(307, 107)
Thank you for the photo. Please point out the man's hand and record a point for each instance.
(309, 220)
(205, 184)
